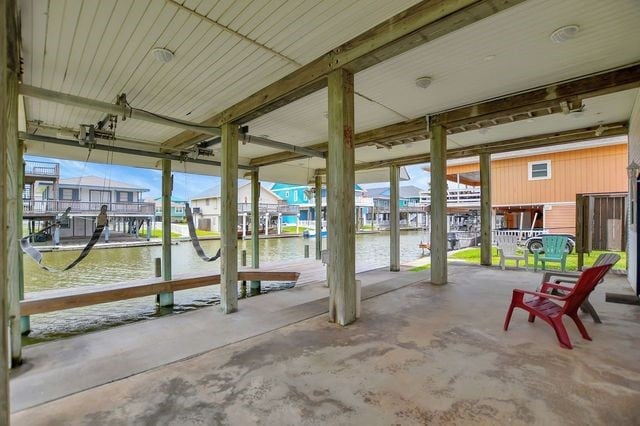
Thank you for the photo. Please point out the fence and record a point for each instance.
(39, 168)
(93, 207)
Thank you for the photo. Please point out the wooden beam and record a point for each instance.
(406, 129)
(394, 218)
(341, 272)
(57, 300)
(439, 241)
(549, 96)
(485, 209)
(508, 145)
(419, 24)
(229, 220)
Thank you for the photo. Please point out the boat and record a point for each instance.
(311, 233)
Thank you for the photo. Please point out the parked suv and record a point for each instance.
(535, 243)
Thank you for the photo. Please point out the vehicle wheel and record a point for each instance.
(535, 246)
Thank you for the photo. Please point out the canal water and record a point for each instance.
(106, 266)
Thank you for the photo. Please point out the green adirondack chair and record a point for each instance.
(555, 250)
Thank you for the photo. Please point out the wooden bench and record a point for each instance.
(57, 300)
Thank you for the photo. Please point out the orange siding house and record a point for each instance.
(540, 190)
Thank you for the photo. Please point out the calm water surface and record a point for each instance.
(122, 264)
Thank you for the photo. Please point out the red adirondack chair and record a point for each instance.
(542, 304)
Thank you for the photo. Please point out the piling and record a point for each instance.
(306, 251)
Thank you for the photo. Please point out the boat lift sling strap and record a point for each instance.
(194, 237)
(101, 221)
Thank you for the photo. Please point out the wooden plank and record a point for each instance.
(229, 219)
(438, 205)
(57, 300)
(485, 209)
(419, 24)
(585, 87)
(341, 272)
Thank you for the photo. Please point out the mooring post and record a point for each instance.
(166, 299)
(341, 199)
(229, 229)
(255, 227)
(158, 267)
(306, 251)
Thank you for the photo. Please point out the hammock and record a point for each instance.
(194, 237)
(101, 221)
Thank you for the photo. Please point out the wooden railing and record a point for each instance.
(40, 168)
(270, 208)
(92, 207)
(457, 196)
(522, 234)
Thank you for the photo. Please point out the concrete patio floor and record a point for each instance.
(420, 354)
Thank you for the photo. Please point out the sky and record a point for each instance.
(185, 185)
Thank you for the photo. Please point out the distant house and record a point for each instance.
(46, 196)
(303, 197)
(537, 188)
(207, 208)
(413, 212)
(177, 209)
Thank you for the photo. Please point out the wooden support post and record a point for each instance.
(9, 273)
(166, 299)
(229, 228)
(255, 225)
(279, 225)
(318, 216)
(438, 152)
(306, 251)
(243, 259)
(485, 209)
(394, 219)
(244, 226)
(25, 321)
(341, 199)
(16, 292)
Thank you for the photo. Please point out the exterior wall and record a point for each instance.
(634, 155)
(601, 169)
(560, 218)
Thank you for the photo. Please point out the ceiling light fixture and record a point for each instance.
(565, 33)
(162, 55)
(423, 82)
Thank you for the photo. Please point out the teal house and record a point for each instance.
(177, 209)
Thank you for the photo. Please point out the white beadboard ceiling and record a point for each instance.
(100, 49)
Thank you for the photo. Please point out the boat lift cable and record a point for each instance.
(194, 237)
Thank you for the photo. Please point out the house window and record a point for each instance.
(124, 197)
(540, 170)
(286, 194)
(295, 196)
(67, 194)
(179, 210)
(206, 202)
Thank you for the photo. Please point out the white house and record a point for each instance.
(207, 208)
